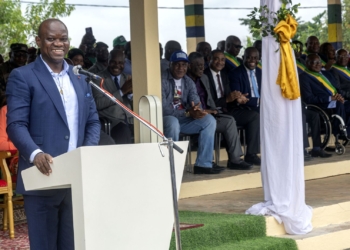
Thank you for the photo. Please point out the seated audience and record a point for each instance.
(182, 112)
(101, 51)
(232, 48)
(327, 54)
(204, 49)
(170, 47)
(119, 85)
(77, 57)
(221, 45)
(225, 124)
(341, 73)
(231, 103)
(247, 78)
(319, 88)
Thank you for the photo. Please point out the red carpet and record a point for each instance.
(20, 242)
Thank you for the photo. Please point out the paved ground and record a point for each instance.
(189, 177)
(320, 192)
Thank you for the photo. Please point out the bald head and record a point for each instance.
(312, 44)
(233, 45)
(43, 26)
(116, 62)
(170, 47)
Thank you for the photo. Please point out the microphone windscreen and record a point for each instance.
(76, 70)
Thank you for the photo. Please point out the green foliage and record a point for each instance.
(317, 27)
(18, 28)
(258, 19)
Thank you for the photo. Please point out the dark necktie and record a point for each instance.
(219, 83)
(116, 82)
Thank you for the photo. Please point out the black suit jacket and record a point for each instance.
(219, 102)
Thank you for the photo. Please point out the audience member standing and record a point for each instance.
(18, 57)
(101, 51)
(232, 48)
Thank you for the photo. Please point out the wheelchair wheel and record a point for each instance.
(326, 125)
(339, 149)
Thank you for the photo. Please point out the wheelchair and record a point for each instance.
(326, 121)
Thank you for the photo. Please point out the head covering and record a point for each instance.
(100, 45)
(119, 40)
(15, 47)
(73, 52)
(178, 56)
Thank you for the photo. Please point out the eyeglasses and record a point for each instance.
(314, 63)
(347, 56)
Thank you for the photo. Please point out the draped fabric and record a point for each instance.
(282, 158)
(287, 74)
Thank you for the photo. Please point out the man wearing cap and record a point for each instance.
(18, 57)
(182, 112)
(101, 51)
(119, 43)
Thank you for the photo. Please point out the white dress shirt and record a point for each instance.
(70, 104)
(217, 87)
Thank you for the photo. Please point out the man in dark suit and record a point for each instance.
(232, 103)
(341, 72)
(319, 88)
(120, 86)
(247, 78)
(50, 111)
(225, 124)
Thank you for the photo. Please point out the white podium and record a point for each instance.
(122, 196)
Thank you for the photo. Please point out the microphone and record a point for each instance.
(77, 70)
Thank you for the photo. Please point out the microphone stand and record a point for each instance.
(166, 142)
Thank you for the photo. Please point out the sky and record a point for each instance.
(108, 23)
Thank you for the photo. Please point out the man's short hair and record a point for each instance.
(194, 55)
(213, 52)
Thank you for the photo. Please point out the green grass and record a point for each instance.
(228, 231)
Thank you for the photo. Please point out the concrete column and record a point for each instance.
(145, 55)
(335, 35)
(194, 13)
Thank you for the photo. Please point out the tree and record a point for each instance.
(346, 24)
(316, 27)
(18, 28)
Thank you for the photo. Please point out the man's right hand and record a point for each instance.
(196, 112)
(243, 99)
(42, 161)
(233, 96)
(127, 87)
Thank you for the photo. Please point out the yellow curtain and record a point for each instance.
(287, 75)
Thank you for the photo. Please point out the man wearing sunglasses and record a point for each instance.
(232, 48)
(320, 88)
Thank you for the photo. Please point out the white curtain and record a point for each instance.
(282, 157)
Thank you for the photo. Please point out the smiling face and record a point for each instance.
(116, 62)
(217, 62)
(342, 57)
(313, 63)
(53, 43)
(251, 57)
(313, 45)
